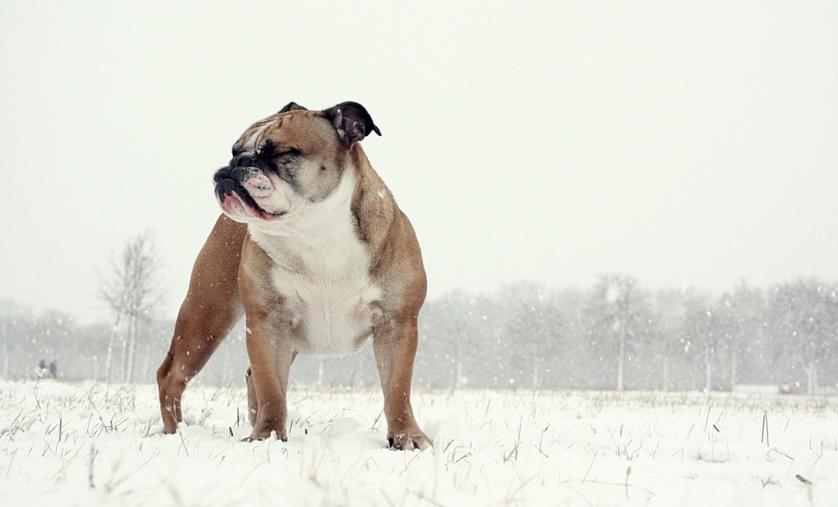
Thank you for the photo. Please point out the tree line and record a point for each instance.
(615, 334)
(620, 335)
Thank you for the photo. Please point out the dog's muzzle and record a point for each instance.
(246, 180)
(232, 177)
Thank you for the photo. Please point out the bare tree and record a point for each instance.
(701, 333)
(131, 290)
(668, 347)
(741, 315)
(805, 321)
(533, 327)
(7, 339)
(13, 318)
(6, 358)
(619, 314)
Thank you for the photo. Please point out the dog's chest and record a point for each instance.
(323, 278)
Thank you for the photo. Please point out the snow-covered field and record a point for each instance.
(89, 444)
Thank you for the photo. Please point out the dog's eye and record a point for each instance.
(267, 151)
(289, 152)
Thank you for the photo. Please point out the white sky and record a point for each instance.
(685, 144)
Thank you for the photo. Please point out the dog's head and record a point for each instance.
(290, 161)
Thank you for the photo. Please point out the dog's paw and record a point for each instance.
(256, 437)
(168, 430)
(264, 433)
(409, 441)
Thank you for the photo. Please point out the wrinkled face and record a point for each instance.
(281, 166)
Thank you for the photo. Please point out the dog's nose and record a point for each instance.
(243, 160)
(221, 174)
(240, 173)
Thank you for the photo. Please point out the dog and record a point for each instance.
(313, 249)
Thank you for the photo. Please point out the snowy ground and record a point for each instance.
(87, 444)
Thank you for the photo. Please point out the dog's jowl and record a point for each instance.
(313, 249)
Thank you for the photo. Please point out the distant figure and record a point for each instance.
(47, 370)
(42, 369)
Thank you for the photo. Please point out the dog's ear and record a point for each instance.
(351, 121)
(292, 106)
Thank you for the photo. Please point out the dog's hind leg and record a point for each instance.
(211, 308)
(395, 345)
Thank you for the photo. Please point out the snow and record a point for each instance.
(94, 444)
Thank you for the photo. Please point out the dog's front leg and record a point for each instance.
(270, 363)
(395, 348)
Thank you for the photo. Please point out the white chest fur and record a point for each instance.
(322, 271)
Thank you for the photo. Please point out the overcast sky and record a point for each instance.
(684, 144)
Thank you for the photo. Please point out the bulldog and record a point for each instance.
(313, 249)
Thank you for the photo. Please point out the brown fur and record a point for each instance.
(231, 273)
